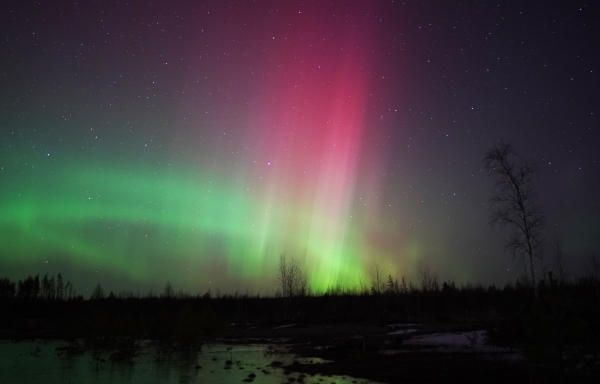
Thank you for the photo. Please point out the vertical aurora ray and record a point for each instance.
(309, 149)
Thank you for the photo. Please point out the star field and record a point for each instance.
(197, 141)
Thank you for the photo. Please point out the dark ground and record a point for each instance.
(558, 334)
(356, 350)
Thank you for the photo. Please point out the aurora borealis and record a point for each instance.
(197, 141)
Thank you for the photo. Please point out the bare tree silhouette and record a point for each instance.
(377, 283)
(293, 282)
(513, 202)
(97, 293)
(427, 278)
(168, 293)
(60, 287)
(560, 263)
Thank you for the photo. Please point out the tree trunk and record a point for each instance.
(535, 291)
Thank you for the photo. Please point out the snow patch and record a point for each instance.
(285, 326)
(396, 326)
(459, 339)
(464, 342)
(403, 331)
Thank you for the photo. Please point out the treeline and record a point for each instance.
(383, 300)
(51, 288)
(563, 322)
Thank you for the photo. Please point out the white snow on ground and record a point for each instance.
(285, 326)
(394, 326)
(459, 339)
(403, 331)
(468, 342)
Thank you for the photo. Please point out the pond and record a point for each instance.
(41, 362)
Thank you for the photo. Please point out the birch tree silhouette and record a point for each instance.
(513, 202)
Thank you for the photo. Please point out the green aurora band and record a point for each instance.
(144, 223)
(290, 163)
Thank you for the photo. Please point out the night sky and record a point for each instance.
(196, 141)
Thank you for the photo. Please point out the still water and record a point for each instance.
(39, 362)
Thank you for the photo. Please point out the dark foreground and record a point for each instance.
(370, 352)
(553, 339)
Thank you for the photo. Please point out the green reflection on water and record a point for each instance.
(39, 363)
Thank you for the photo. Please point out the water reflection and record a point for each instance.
(45, 362)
